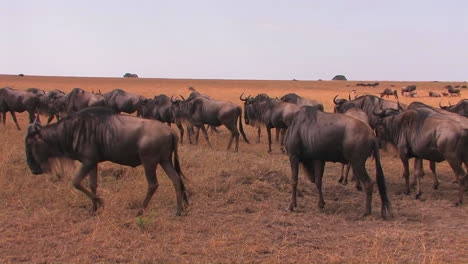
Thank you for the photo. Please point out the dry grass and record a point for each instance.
(238, 201)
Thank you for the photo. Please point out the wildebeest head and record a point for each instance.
(250, 115)
(37, 151)
(380, 128)
(446, 107)
(338, 103)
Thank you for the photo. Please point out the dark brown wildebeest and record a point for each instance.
(315, 137)
(47, 104)
(434, 94)
(367, 103)
(405, 91)
(12, 101)
(298, 100)
(98, 134)
(250, 116)
(77, 100)
(387, 92)
(453, 91)
(201, 111)
(352, 111)
(421, 134)
(273, 113)
(460, 108)
(121, 101)
(160, 108)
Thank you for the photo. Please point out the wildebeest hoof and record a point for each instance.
(458, 203)
(140, 212)
(435, 186)
(418, 196)
(269, 151)
(406, 192)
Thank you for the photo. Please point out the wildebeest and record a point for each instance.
(12, 100)
(315, 137)
(460, 108)
(121, 101)
(421, 134)
(98, 134)
(48, 104)
(250, 116)
(387, 92)
(160, 108)
(201, 111)
(408, 90)
(298, 100)
(273, 113)
(434, 94)
(367, 103)
(453, 91)
(78, 99)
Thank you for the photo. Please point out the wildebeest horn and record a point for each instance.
(242, 99)
(334, 99)
(182, 97)
(450, 104)
(379, 113)
(349, 97)
(99, 91)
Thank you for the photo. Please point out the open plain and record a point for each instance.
(238, 201)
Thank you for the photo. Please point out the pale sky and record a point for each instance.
(420, 40)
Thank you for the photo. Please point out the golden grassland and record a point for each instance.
(238, 200)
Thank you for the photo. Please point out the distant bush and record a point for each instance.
(130, 75)
(21, 75)
(339, 78)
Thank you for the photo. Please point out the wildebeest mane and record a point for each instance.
(161, 99)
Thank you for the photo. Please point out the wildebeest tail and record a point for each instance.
(175, 142)
(386, 206)
(241, 127)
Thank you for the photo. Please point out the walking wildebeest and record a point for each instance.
(201, 111)
(460, 108)
(420, 134)
(12, 101)
(434, 94)
(98, 134)
(121, 101)
(408, 90)
(47, 104)
(387, 92)
(315, 137)
(453, 91)
(78, 99)
(160, 108)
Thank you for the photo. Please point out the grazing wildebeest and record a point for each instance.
(421, 134)
(434, 94)
(273, 113)
(77, 100)
(121, 101)
(460, 108)
(201, 111)
(47, 104)
(408, 90)
(250, 116)
(315, 137)
(98, 134)
(387, 92)
(453, 91)
(12, 101)
(160, 108)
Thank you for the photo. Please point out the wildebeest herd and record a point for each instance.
(89, 124)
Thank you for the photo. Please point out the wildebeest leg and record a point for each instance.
(14, 119)
(283, 132)
(234, 135)
(93, 186)
(32, 116)
(181, 130)
(268, 129)
(177, 182)
(258, 134)
(406, 174)
(85, 169)
(278, 130)
(3, 117)
(435, 185)
(294, 161)
(318, 172)
(203, 129)
(461, 176)
(342, 178)
(417, 175)
(361, 175)
(150, 173)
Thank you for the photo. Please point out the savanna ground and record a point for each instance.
(238, 200)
